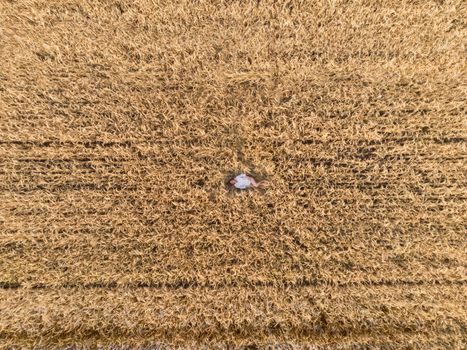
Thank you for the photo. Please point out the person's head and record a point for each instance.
(232, 181)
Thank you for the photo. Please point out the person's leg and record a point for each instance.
(263, 184)
(253, 181)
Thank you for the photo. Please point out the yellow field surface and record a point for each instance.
(120, 122)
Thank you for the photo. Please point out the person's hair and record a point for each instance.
(229, 177)
(229, 183)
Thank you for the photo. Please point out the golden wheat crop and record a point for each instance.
(121, 120)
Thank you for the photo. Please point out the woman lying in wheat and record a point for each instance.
(244, 181)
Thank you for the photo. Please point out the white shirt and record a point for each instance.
(242, 181)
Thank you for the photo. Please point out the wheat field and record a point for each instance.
(121, 120)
